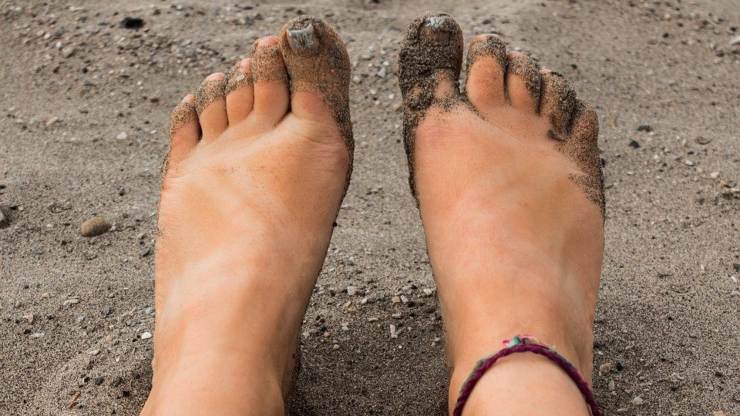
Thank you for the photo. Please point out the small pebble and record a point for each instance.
(132, 23)
(606, 368)
(4, 220)
(703, 140)
(122, 136)
(94, 226)
(638, 401)
(146, 335)
(70, 302)
(68, 51)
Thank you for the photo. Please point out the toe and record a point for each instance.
(211, 106)
(184, 132)
(583, 148)
(319, 70)
(557, 103)
(271, 94)
(523, 82)
(582, 142)
(430, 61)
(239, 92)
(429, 70)
(486, 68)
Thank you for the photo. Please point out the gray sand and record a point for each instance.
(84, 111)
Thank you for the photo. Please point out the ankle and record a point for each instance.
(465, 356)
(488, 309)
(217, 383)
(522, 383)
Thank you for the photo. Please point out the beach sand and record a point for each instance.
(85, 93)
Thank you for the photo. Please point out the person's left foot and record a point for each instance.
(509, 184)
(258, 166)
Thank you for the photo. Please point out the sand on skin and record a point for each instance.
(75, 312)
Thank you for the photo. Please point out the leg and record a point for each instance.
(256, 173)
(509, 188)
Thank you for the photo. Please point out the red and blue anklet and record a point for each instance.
(520, 344)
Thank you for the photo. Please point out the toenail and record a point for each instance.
(438, 29)
(482, 37)
(267, 41)
(302, 38)
(182, 114)
(240, 76)
(218, 76)
(210, 90)
(437, 22)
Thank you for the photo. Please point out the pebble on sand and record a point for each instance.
(146, 335)
(94, 226)
(703, 140)
(132, 23)
(68, 52)
(4, 221)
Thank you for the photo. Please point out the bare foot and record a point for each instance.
(509, 185)
(259, 163)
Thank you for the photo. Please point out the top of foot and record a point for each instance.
(507, 176)
(506, 89)
(259, 163)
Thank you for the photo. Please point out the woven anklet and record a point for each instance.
(525, 344)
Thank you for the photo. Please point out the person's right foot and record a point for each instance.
(509, 186)
(258, 165)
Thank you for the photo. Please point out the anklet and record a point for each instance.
(525, 344)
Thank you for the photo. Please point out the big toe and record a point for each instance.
(430, 60)
(319, 69)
